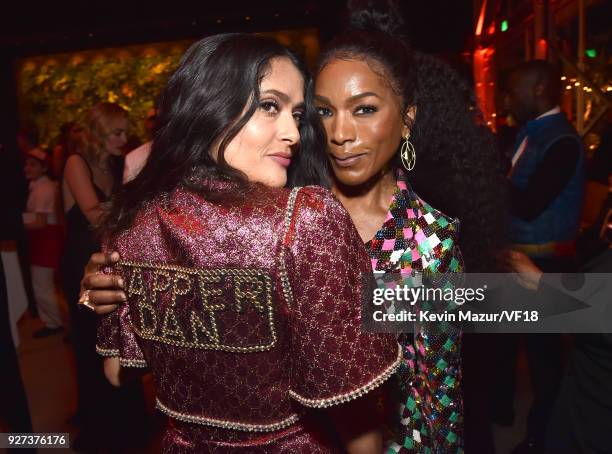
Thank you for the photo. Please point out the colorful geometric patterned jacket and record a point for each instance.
(417, 238)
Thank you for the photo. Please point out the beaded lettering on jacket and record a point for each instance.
(211, 302)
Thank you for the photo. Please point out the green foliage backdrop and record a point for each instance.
(55, 90)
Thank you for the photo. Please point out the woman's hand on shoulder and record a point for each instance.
(105, 291)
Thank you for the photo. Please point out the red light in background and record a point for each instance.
(484, 77)
(481, 17)
(541, 49)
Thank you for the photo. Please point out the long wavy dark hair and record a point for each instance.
(458, 169)
(208, 99)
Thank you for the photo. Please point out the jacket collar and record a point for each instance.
(414, 235)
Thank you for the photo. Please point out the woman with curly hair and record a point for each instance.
(385, 107)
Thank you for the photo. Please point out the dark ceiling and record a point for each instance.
(31, 28)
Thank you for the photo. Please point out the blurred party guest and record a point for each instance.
(591, 243)
(135, 161)
(581, 418)
(45, 237)
(547, 180)
(548, 170)
(598, 187)
(582, 415)
(26, 139)
(14, 412)
(90, 177)
(69, 142)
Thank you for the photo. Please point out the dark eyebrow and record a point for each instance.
(363, 95)
(351, 99)
(283, 97)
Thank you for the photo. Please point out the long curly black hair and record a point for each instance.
(458, 169)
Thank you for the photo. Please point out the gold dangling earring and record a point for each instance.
(408, 153)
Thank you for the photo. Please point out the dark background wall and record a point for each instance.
(43, 27)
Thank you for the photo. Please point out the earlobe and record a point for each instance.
(410, 117)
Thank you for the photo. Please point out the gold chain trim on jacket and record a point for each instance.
(112, 353)
(287, 293)
(203, 331)
(133, 363)
(107, 351)
(376, 382)
(224, 424)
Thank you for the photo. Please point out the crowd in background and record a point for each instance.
(58, 197)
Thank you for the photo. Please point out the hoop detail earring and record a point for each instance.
(408, 153)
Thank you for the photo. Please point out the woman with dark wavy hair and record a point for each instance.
(242, 296)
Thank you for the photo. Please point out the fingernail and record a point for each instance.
(120, 282)
(114, 256)
(124, 296)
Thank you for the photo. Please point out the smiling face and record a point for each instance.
(263, 148)
(363, 119)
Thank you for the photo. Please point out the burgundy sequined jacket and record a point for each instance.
(246, 315)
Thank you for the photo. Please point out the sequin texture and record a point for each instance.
(418, 239)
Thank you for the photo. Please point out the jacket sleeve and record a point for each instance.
(333, 360)
(116, 336)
